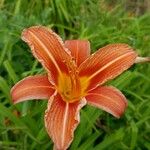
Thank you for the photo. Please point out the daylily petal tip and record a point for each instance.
(40, 28)
(11, 95)
(61, 123)
(109, 99)
(123, 100)
(32, 87)
(79, 49)
(30, 29)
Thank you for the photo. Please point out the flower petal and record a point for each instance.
(49, 49)
(61, 119)
(109, 99)
(107, 63)
(32, 87)
(80, 49)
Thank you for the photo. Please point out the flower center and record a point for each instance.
(69, 87)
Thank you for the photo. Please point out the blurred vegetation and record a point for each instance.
(101, 22)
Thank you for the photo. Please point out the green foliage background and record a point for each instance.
(101, 22)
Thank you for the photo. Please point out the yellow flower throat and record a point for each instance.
(70, 87)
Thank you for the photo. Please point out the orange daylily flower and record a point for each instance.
(74, 78)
